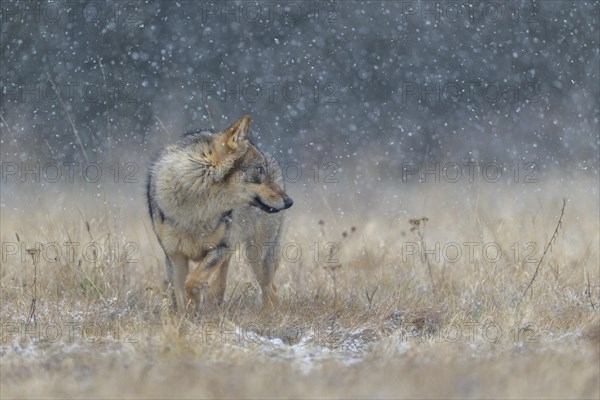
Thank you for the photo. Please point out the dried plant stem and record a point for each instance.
(332, 270)
(33, 253)
(421, 238)
(108, 133)
(6, 124)
(546, 250)
(75, 131)
(371, 295)
(162, 125)
(10, 131)
(210, 118)
(416, 227)
(589, 291)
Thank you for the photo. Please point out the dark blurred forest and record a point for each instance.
(339, 80)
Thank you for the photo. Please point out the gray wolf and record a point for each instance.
(208, 194)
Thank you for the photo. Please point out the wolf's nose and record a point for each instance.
(287, 203)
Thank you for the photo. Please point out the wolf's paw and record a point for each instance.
(194, 289)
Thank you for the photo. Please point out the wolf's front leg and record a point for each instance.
(178, 263)
(171, 282)
(196, 283)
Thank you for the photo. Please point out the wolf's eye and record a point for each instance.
(261, 170)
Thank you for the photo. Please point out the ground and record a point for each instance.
(403, 291)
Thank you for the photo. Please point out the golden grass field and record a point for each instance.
(374, 319)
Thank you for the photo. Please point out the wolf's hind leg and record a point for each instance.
(264, 269)
(221, 280)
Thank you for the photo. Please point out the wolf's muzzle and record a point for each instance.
(287, 203)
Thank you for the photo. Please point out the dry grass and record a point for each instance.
(363, 319)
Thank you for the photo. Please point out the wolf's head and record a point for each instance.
(250, 176)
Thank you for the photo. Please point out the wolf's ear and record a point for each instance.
(237, 135)
(230, 146)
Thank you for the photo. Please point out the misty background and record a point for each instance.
(382, 82)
